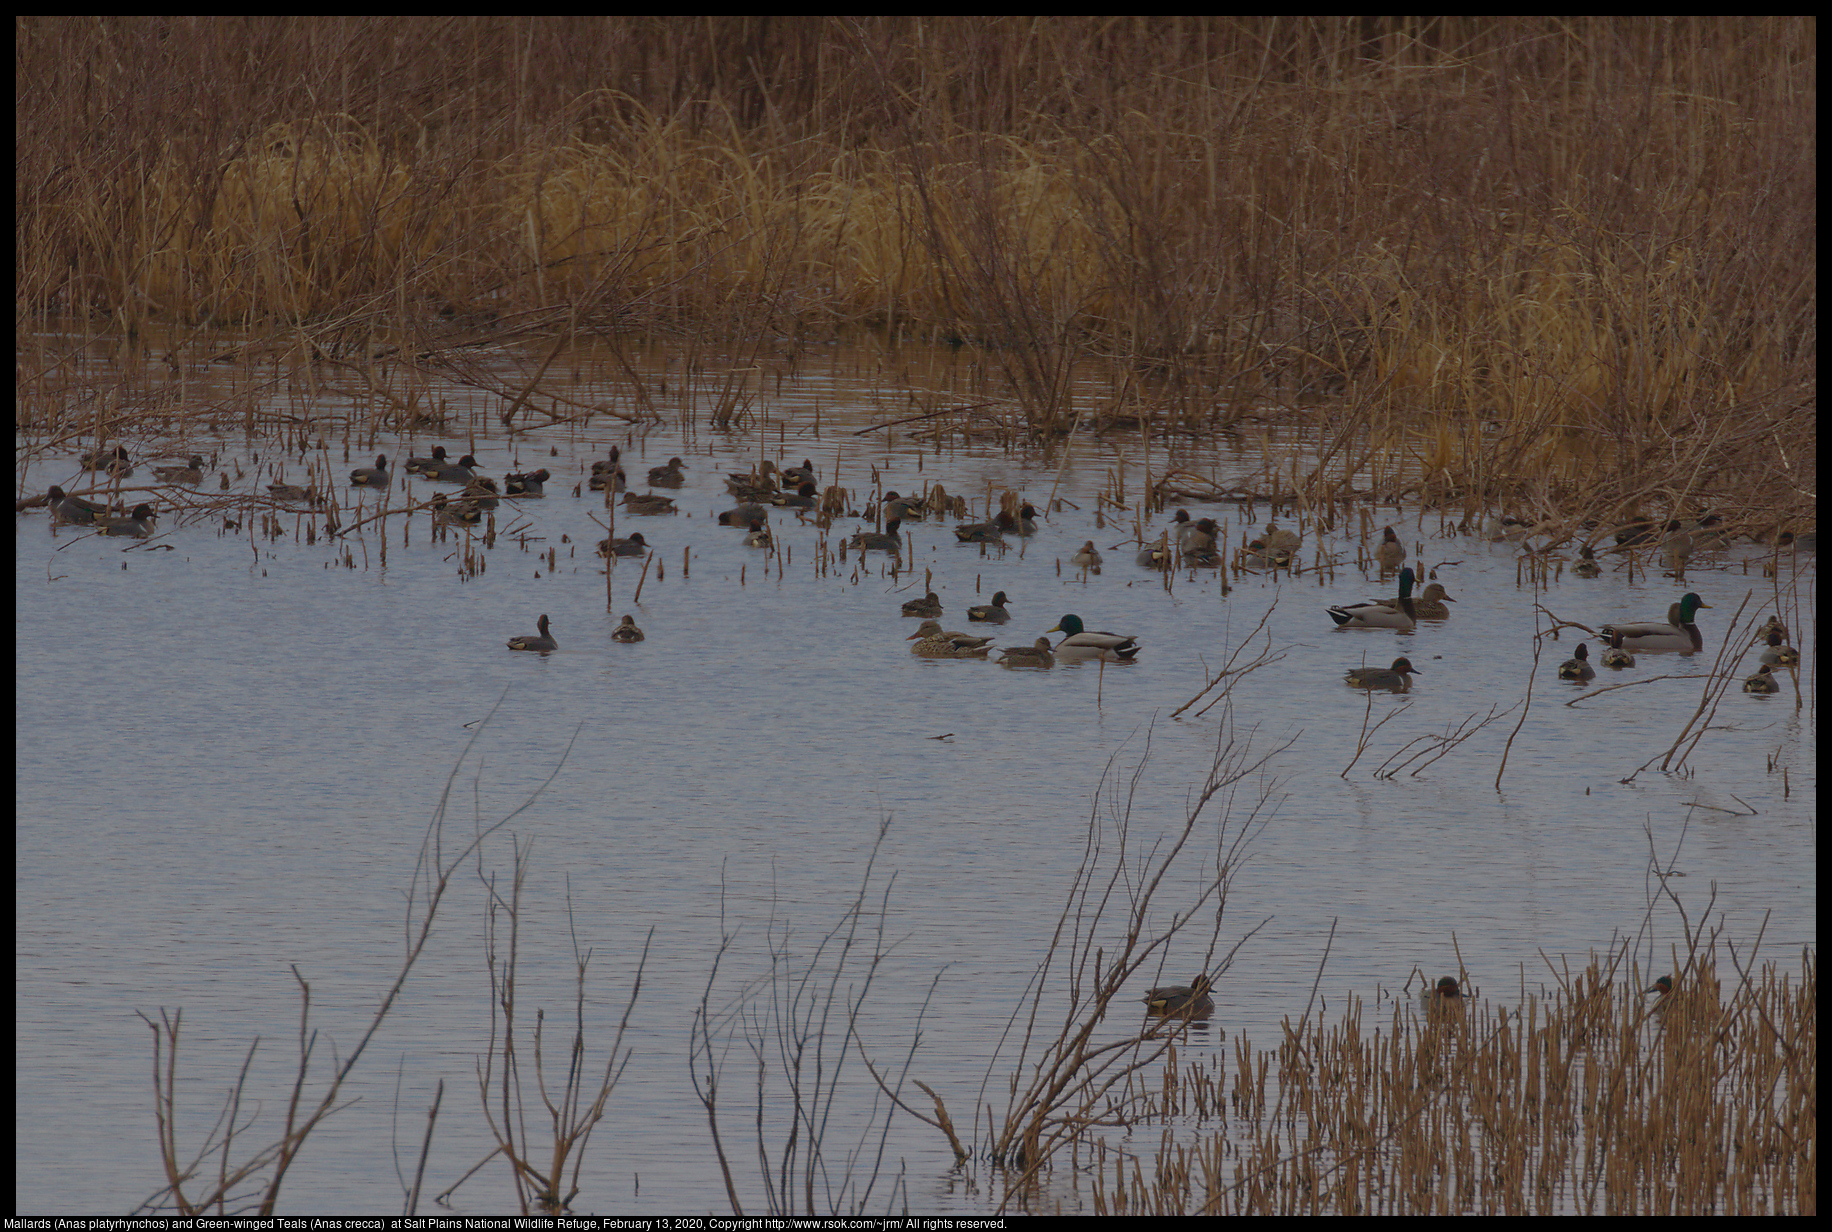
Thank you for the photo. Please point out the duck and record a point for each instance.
(1779, 653)
(415, 466)
(928, 605)
(933, 642)
(608, 481)
(1036, 655)
(1634, 531)
(1430, 604)
(1678, 633)
(991, 613)
(1446, 994)
(1027, 520)
(1088, 558)
(1157, 555)
(1391, 552)
(73, 509)
(647, 506)
(1084, 642)
(756, 536)
(745, 514)
(1676, 548)
(1577, 667)
(802, 498)
(481, 492)
(1181, 528)
(1763, 681)
(459, 513)
(190, 472)
(1395, 679)
(604, 467)
(529, 486)
(633, 546)
(139, 524)
(1191, 1000)
(1259, 554)
(1587, 566)
(1664, 987)
(890, 541)
(461, 471)
(1400, 614)
(376, 476)
(795, 476)
(1282, 540)
(1616, 656)
(1199, 548)
(541, 643)
(903, 508)
(627, 631)
(668, 476)
(764, 478)
(988, 532)
(292, 492)
(1774, 625)
(114, 462)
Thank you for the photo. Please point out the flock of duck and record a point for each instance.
(1191, 542)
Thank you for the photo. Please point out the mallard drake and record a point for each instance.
(633, 546)
(745, 514)
(928, 605)
(934, 642)
(627, 631)
(529, 486)
(1391, 552)
(668, 476)
(802, 498)
(72, 509)
(1678, 633)
(1763, 681)
(1779, 653)
(1085, 643)
(903, 508)
(1446, 994)
(1191, 1000)
(1087, 558)
(1430, 605)
(1577, 667)
(190, 472)
(1282, 540)
(1616, 656)
(110, 461)
(414, 466)
(756, 536)
(795, 476)
(987, 532)
(376, 476)
(541, 643)
(991, 613)
(1399, 614)
(1037, 655)
(461, 471)
(890, 541)
(1587, 566)
(608, 481)
(139, 524)
(1395, 679)
(460, 513)
(647, 506)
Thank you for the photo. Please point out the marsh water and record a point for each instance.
(230, 746)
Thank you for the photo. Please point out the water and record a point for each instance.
(229, 751)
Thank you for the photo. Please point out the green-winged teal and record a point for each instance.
(991, 613)
(113, 462)
(890, 541)
(139, 524)
(461, 471)
(928, 606)
(190, 472)
(1577, 667)
(376, 476)
(1763, 681)
(1677, 633)
(608, 481)
(1395, 679)
(1616, 655)
(988, 532)
(1282, 540)
(541, 643)
(415, 466)
(605, 467)
(1037, 655)
(72, 509)
(668, 476)
(1779, 653)
(802, 498)
(647, 506)
(1082, 642)
(633, 546)
(627, 631)
(745, 514)
(903, 508)
(529, 486)
(1088, 558)
(1377, 614)
(1447, 994)
(756, 536)
(1587, 566)
(460, 513)
(795, 476)
(1391, 552)
(1191, 1000)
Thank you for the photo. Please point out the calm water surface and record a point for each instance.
(229, 752)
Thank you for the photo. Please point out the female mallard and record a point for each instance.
(1677, 634)
(1616, 656)
(1191, 1000)
(415, 466)
(929, 605)
(139, 524)
(627, 631)
(1085, 643)
(372, 476)
(633, 546)
(756, 536)
(1577, 667)
(1587, 566)
(1395, 679)
(668, 476)
(647, 506)
(190, 472)
(1400, 614)
(541, 643)
(1779, 653)
(890, 541)
(1430, 605)
(1763, 681)
(933, 642)
(73, 509)
(1447, 994)
(990, 613)
(529, 486)
(1038, 655)
(1391, 552)
(1087, 558)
